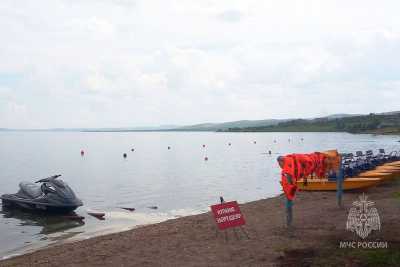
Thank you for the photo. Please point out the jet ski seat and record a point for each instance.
(30, 189)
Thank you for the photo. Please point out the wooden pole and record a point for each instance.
(289, 207)
(339, 185)
(221, 199)
(289, 213)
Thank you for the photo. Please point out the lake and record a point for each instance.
(178, 181)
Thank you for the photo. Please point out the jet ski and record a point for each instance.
(52, 195)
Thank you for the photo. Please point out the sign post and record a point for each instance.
(339, 185)
(228, 215)
(289, 207)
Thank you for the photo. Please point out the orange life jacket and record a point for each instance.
(290, 166)
(300, 166)
(289, 188)
(305, 165)
(289, 176)
(332, 160)
(318, 160)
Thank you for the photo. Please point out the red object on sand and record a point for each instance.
(227, 215)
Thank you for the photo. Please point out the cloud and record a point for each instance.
(10, 111)
(230, 15)
(122, 63)
(92, 25)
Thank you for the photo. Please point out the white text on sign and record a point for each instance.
(226, 210)
(229, 218)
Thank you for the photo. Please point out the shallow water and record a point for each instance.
(178, 180)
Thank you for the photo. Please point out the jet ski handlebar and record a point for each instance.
(48, 179)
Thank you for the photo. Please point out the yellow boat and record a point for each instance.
(394, 163)
(395, 167)
(384, 175)
(326, 185)
(391, 166)
(394, 170)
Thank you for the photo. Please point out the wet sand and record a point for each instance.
(318, 227)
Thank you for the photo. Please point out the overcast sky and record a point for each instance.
(122, 63)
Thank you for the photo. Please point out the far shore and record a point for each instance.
(318, 228)
(377, 132)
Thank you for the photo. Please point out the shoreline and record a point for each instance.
(136, 219)
(318, 228)
(244, 130)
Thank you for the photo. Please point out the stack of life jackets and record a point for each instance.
(300, 166)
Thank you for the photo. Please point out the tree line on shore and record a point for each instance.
(372, 123)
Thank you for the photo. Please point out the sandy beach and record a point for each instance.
(318, 227)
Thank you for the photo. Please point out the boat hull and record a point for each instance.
(348, 184)
(37, 207)
(386, 176)
(388, 167)
(394, 163)
(394, 170)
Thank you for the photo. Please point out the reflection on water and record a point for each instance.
(48, 223)
(49, 228)
(177, 180)
(52, 228)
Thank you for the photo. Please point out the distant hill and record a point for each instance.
(339, 116)
(247, 123)
(227, 125)
(384, 123)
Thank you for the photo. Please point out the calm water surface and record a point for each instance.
(178, 181)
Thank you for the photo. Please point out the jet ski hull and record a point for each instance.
(13, 201)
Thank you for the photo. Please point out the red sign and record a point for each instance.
(227, 215)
